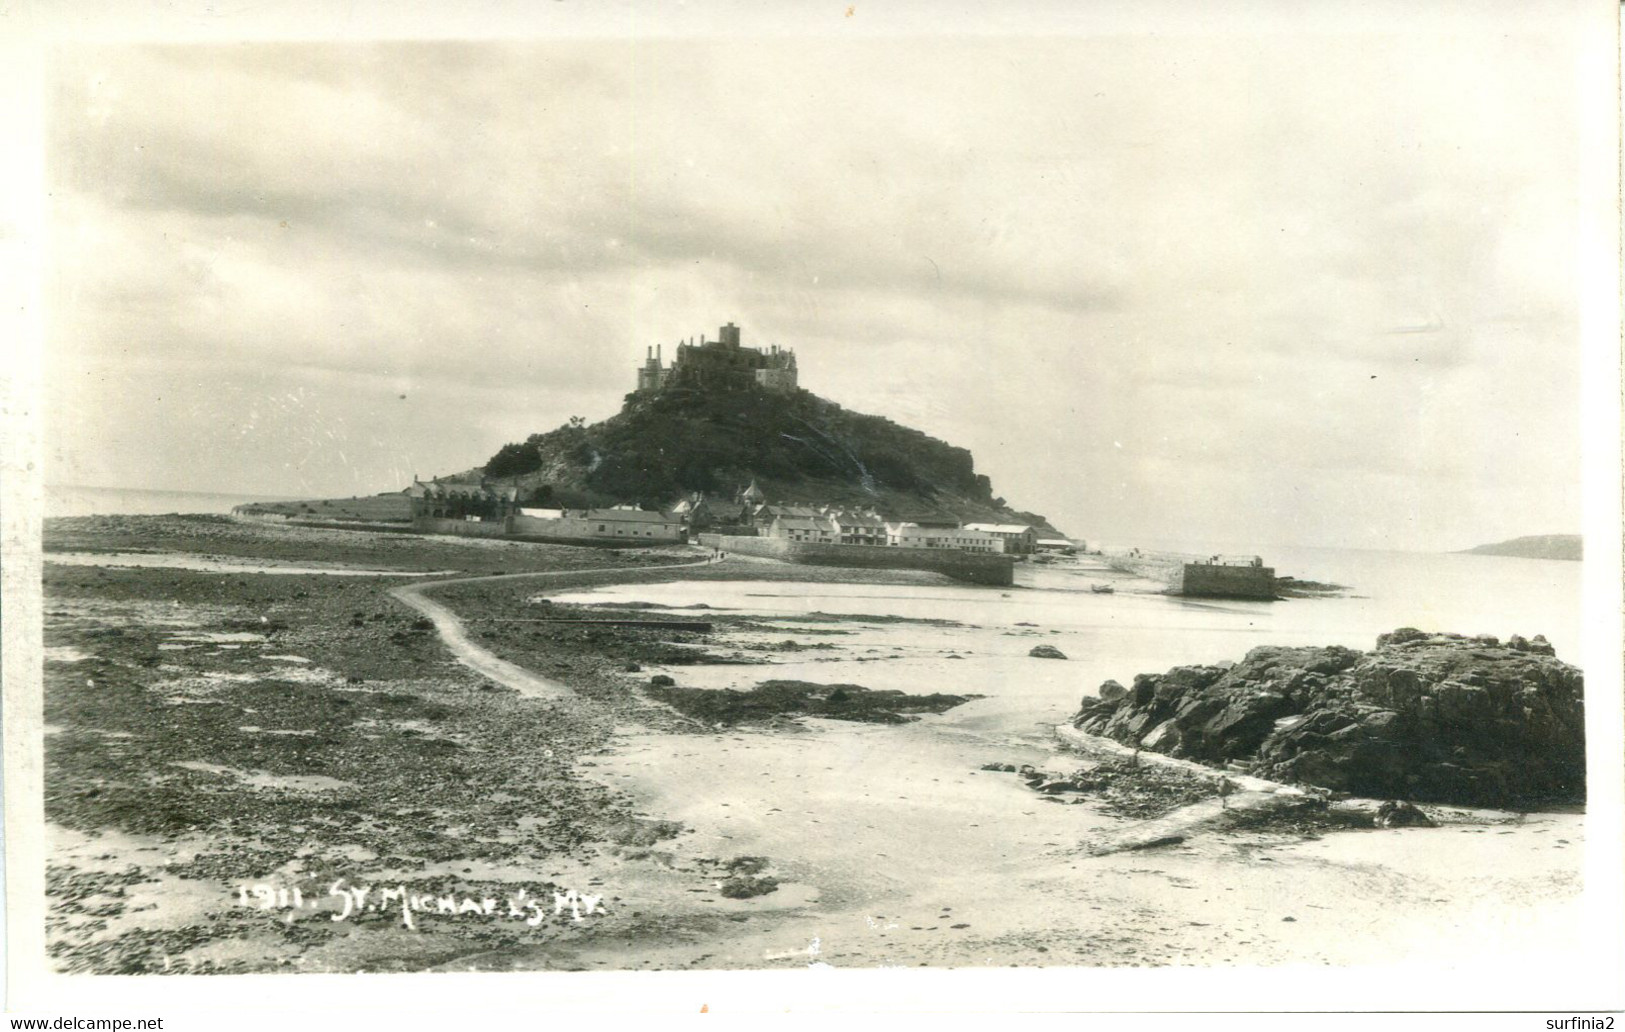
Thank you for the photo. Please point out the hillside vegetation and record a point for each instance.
(797, 447)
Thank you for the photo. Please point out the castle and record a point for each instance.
(720, 365)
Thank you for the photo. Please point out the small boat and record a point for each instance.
(1101, 589)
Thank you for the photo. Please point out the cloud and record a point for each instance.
(1121, 270)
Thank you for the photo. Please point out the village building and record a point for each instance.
(635, 523)
(909, 534)
(967, 540)
(713, 512)
(616, 524)
(461, 499)
(702, 512)
(813, 529)
(859, 528)
(447, 506)
(764, 515)
(1019, 538)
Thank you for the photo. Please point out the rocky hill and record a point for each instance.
(1430, 717)
(1537, 546)
(798, 447)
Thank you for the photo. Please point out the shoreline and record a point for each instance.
(567, 794)
(271, 671)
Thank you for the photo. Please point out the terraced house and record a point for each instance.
(1018, 538)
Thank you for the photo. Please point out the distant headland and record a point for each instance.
(1535, 546)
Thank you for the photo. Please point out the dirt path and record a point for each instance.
(482, 661)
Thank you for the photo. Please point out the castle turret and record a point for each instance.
(653, 373)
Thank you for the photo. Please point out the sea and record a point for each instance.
(978, 639)
(75, 500)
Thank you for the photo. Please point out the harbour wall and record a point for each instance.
(993, 570)
(1200, 580)
(1206, 580)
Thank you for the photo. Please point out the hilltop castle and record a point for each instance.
(720, 365)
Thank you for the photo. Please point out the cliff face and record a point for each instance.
(797, 447)
(1440, 718)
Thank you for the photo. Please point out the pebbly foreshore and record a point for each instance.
(215, 735)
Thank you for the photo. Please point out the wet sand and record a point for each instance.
(901, 839)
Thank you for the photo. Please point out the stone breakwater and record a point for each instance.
(1433, 717)
(970, 567)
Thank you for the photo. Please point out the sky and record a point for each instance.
(1277, 284)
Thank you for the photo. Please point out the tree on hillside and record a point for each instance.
(511, 460)
(541, 498)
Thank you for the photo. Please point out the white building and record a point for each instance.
(912, 535)
(1018, 538)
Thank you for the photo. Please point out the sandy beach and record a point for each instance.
(258, 759)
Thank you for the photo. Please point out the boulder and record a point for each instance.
(1397, 814)
(746, 886)
(1046, 652)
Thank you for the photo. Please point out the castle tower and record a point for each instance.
(653, 372)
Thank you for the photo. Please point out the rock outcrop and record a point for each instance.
(1431, 717)
(664, 445)
(781, 698)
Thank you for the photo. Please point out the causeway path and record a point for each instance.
(484, 662)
